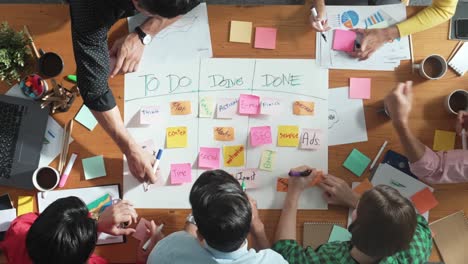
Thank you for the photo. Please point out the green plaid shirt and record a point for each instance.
(339, 252)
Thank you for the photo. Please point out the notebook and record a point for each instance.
(459, 63)
(451, 237)
(317, 233)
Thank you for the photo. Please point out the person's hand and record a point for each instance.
(338, 192)
(320, 19)
(297, 184)
(256, 224)
(141, 164)
(114, 216)
(154, 236)
(372, 40)
(127, 51)
(462, 122)
(399, 103)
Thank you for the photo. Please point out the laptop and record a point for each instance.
(22, 129)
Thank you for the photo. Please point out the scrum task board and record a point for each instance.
(195, 97)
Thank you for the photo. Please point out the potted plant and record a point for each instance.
(15, 54)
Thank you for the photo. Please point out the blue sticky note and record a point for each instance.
(94, 167)
(339, 233)
(86, 118)
(356, 162)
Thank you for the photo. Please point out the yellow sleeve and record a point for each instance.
(439, 12)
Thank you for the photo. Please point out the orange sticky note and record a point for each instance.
(288, 136)
(234, 156)
(176, 137)
(303, 108)
(318, 179)
(282, 185)
(181, 108)
(424, 200)
(364, 186)
(223, 133)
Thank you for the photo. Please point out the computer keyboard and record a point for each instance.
(10, 121)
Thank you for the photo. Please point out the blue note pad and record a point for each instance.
(94, 167)
(339, 233)
(86, 118)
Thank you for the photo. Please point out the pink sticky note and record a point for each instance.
(226, 107)
(249, 177)
(270, 106)
(311, 138)
(260, 136)
(265, 38)
(148, 146)
(181, 173)
(249, 104)
(140, 229)
(149, 115)
(208, 158)
(359, 88)
(343, 40)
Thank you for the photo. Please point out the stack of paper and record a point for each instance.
(386, 58)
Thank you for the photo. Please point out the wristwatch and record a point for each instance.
(145, 38)
(190, 219)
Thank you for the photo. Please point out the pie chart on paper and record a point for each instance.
(349, 19)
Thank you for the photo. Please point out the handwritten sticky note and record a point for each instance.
(249, 176)
(303, 108)
(234, 156)
(288, 136)
(181, 108)
(343, 40)
(311, 138)
(94, 167)
(176, 137)
(86, 118)
(149, 115)
(181, 173)
(282, 185)
(265, 38)
(148, 146)
(223, 133)
(339, 233)
(140, 229)
(208, 158)
(25, 204)
(267, 161)
(356, 162)
(206, 107)
(359, 88)
(260, 136)
(364, 186)
(424, 200)
(444, 140)
(249, 104)
(241, 31)
(226, 107)
(270, 106)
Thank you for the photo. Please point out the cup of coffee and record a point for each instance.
(45, 179)
(50, 64)
(432, 67)
(456, 101)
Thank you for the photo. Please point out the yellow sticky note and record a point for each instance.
(241, 31)
(303, 108)
(267, 161)
(234, 156)
(25, 204)
(176, 137)
(444, 140)
(288, 136)
(181, 108)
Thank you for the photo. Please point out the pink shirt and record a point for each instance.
(442, 167)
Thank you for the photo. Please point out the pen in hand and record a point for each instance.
(315, 15)
(146, 184)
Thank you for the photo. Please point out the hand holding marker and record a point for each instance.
(146, 184)
(315, 15)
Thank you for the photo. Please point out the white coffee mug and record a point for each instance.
(53, 182)
(456, 101)
(438, 61)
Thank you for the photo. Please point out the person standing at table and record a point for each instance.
(438, 12)
(90, 24)
(433, 167)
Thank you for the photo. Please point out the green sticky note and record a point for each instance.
(356, 162)
(94, 167)
(339, 233)
(86, 118)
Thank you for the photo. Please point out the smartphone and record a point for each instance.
(461, 28)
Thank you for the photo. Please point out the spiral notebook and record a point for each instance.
(451, 238)
(317, 233)
(459, 63)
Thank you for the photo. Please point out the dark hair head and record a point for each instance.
(385, 222)
(221, 209)
(63, 233)
(168, 8)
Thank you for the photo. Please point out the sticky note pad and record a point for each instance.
(249, 176)
(424, 200)
(249, 104)
(181, 108)
(140, 229)
(356, 162)
(364, 186)
(223, 133)
(343, 40)
(181, 173)
(94, 167)
(260, 136)
(311, 138)
(86, 118)
(176, 137)
(241, 31)
(208, 158)
(288, 136)
(25, 204)
(148, 146)
(265, 38)
(339, 233)
(303, 108)
(267, 161)
(270, 106)
(226, 107)
(149, 115)
(282, 185)
(359, 88)
(444, 140)
(206, 107)
(234, 156)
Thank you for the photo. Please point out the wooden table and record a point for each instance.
(50, 24)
